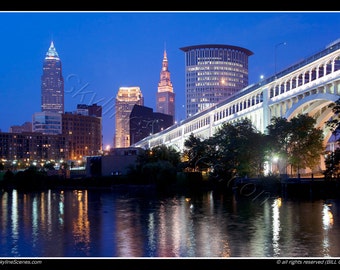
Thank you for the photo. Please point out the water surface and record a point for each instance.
(137, 223)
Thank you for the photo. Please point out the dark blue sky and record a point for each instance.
(102, 51)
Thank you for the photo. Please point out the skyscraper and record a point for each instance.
(52, 83)
(126, 98)
(212, 74)
(165, 94)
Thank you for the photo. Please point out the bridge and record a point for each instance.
(307, 87)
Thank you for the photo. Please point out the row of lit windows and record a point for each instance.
(218, 79)
(217, 68)
(207, 84)
(217, 65)
(213, 91)
(216, 73)
(228, 55)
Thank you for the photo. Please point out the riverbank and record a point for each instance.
(30, 181)
(289, 187)
(182, 183)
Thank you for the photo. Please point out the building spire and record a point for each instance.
(165, 62)
(165, 57)
(165, 99)
(52, 53)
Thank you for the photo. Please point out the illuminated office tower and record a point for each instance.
(52, 83)
(126, 98)
(165, 94)
(212, 74)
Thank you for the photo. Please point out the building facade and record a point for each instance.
(55, 137)
(144, 122)
(27, 148)
(47, 122)
(212, 74)
(165, 93)
(83, 134)
(52, 83)
(25, 127)
(126, 98)
(90, 110)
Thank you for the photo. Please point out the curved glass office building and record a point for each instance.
(213, 72)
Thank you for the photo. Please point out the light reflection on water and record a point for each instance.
(124, 223)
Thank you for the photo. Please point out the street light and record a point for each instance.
(275, 53)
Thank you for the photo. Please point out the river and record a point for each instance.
(129, 222)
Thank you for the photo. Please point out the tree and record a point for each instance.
(334, 122)
(332, 160)
(195, 153)
(297, 141)
(278, 138)
(158, 164)
(238, 149)
(306, 143)
(165, 153)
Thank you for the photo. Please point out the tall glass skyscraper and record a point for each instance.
(212, 74)
(52, 83)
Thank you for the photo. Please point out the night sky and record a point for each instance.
(102, 51)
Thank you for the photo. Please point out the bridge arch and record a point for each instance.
(317, 107)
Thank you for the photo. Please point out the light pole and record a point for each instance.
(275, 54)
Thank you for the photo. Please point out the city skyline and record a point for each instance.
(103, 51)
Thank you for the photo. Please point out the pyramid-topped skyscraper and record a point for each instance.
(52, 83)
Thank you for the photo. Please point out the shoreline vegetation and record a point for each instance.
(271, 186)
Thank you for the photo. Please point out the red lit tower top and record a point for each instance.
(165, 93)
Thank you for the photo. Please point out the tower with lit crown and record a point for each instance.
(126, 98)
(52, 83)
(165, 94)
